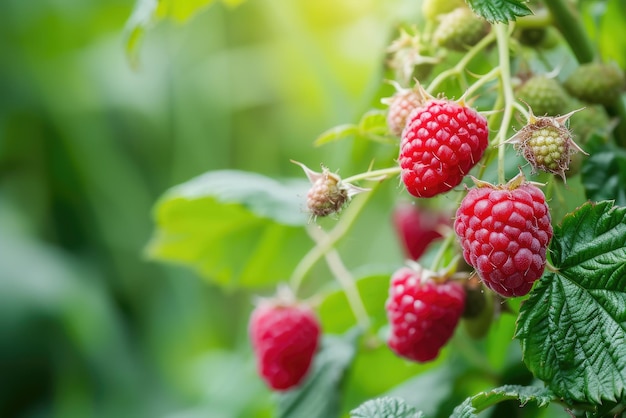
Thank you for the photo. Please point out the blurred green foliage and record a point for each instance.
(88, 326)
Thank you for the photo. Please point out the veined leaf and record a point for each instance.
(372, 126)
(499, 10)
(231, 226)
(385, 407)
(573, 327)
(477, 403)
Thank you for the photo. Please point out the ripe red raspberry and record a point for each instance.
(423, 313)
(417, 227)
(284, 338)
(441, 143)
(504, 232)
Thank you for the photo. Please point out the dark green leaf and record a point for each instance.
(231, 225)
(573, 327)
(319, 396)
(499, 10)
(477, 403)
(385, 407)
(604, 174)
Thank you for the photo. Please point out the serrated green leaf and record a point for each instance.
(385, 407)
(231, 225)
(337, 133)
(604, 174)
(573, 326)
(481, 401)
(335, 313)
(499, 10)
(319, 396)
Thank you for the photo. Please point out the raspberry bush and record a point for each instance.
(472, 117)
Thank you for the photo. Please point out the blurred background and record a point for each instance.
(88, 326)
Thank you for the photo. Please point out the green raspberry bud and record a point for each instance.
(460, 29)
(544, 95)
(546, 143)
(328, 193)
(596, 83)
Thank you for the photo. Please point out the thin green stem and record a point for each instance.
(436, 264)
(318, 251)
(502, 35)
(572, 29)
(374, 175)
(345, 279)
(462, 64)
(482, 81)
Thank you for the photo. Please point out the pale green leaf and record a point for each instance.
(336, 133)
(233, 227)
(573, 326)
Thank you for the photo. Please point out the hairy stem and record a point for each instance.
(462, 64)
(502, 34)
(345, 279)
(325, 245)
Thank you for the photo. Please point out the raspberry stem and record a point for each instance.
(374, 175)
(325, 245)
(502, 35)
(462, 64)
(345, 279)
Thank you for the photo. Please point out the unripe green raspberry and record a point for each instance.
(596, 83)
(544, 95)
(546, 143)
(432, 9)
(460, 29)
